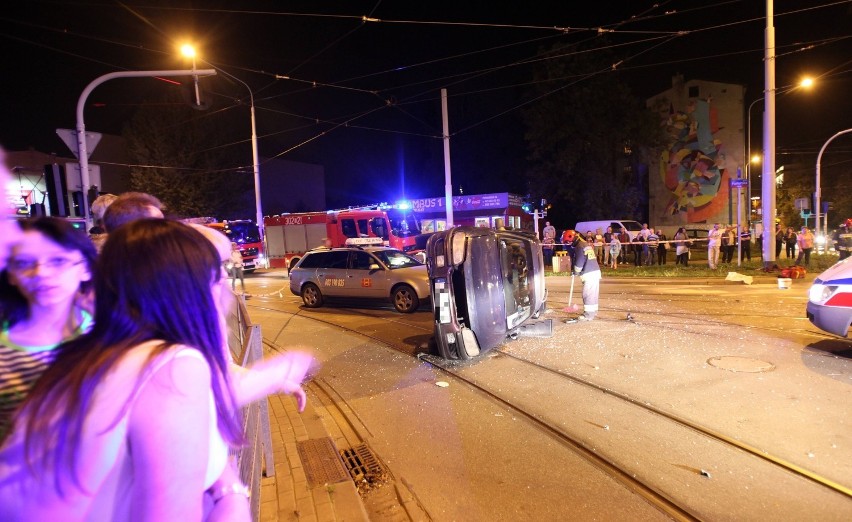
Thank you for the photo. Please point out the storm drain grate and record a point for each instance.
(364, 468)
(321, 462)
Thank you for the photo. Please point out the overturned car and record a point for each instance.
(486, 285)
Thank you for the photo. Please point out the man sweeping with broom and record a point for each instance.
(586, 266)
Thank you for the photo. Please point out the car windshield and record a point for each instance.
(396, 259)
(403, 223)
(242, 233)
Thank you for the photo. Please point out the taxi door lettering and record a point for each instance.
(366, 282)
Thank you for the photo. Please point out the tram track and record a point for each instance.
(629, 478)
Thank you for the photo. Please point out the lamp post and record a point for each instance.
(82, 150)
(189, 51)
(805, 83)
(818, 193)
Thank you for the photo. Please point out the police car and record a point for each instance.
(830, 299)
(360, 272)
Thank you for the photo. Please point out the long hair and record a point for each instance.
(153, 282)
(13, 305)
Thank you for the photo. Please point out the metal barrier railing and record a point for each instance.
(254, 460)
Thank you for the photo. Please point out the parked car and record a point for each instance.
(830, 299)
(369, 272)
(486, 284)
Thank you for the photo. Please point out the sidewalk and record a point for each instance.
(311, 482)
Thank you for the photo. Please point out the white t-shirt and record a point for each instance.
(105, 463)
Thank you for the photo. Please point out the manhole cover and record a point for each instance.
(321, 462)
(732, 363)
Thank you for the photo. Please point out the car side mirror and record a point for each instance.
(374, 266)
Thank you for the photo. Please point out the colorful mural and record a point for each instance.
(692, 168)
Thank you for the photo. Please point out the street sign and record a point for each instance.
(735, 183)
(69, 136)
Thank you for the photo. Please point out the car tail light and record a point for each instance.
(458, 249)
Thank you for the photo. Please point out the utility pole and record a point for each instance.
(768, 181)
(448, 178)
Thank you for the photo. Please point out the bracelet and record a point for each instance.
(237, 488)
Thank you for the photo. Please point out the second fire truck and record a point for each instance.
(289, 236)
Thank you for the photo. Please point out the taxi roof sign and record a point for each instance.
(365, 241)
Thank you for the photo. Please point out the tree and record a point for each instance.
(586, 135)
(181, 160)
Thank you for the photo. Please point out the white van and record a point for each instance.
(632, 227)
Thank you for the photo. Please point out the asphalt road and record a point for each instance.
(557, 428)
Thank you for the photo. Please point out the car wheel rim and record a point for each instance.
(403, 300)
(310, 296)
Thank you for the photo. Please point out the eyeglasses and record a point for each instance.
(25, 266)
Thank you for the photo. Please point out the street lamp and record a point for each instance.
(82, 146)
(189, 51)
(818, 194)
(805, 83)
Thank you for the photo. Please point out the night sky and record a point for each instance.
(355, 85)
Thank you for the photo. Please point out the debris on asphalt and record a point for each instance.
(734, 276)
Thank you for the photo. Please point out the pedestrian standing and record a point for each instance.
(624, 239)
(614, 249)
(607, 237)
(681, 247)
(236, 263)
(745, 243)
(843, 244)
(806, 244)
(638, 246)
(599, 244)
(586, 266)
(714, 238)
(779, 240)
(662, 249)
(549, 232)
(791, 239)
(652, 243)
(547, 250)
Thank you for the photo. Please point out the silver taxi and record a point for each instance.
(369, 272)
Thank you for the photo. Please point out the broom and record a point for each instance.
(571, 307)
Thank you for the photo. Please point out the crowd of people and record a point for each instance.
(651, 246)
(119, 398)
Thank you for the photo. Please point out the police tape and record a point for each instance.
(650, 243)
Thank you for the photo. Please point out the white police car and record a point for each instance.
(830, 299)
(360, 272)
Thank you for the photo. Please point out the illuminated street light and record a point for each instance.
(189, 51)
(805, 83)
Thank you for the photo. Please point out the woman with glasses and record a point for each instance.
(45, 298)
(132, 420)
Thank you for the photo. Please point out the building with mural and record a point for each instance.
(690, 178)
(475, 210)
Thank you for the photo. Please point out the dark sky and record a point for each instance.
(362, 97)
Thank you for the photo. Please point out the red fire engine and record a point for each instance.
(247, 237)
(289, 236)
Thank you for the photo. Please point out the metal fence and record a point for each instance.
(255, 458)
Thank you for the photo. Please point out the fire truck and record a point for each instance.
(247, 237)
(289, 236)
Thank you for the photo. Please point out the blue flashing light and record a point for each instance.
(403, 205)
